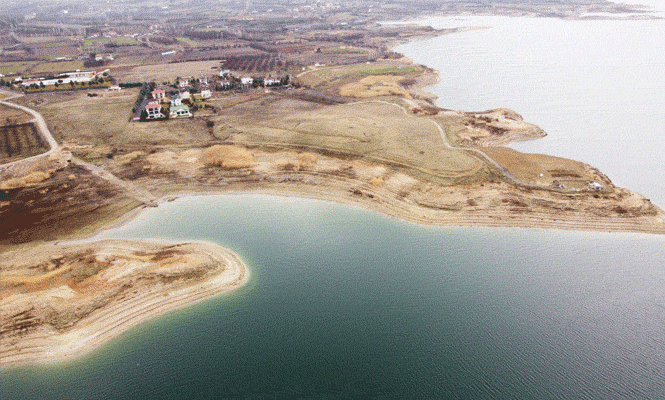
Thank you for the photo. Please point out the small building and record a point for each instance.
(225, 84)
(246, 81)
(206, 94)
(224, 73)
(154, 111)
(595, 186)
(168, 53)
(185, 95)
(115, 88)
(183, 83)
(158, 94)
(181, 111)
(203, 80)
(176, 101)
(271, 82)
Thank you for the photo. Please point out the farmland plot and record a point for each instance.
(20, 141)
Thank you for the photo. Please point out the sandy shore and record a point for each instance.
(55, 307)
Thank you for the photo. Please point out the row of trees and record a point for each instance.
(146, 89)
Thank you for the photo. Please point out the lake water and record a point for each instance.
(347, 303)
(596, 87)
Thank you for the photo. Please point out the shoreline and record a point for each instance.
(42, 344)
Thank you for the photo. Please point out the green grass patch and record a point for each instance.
(56, 67)
(344, 50)
(389, 70)
(188, 42)
(18, 67)
(67, 86)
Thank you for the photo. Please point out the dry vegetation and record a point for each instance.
(227, 157)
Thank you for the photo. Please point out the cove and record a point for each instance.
(344, 302)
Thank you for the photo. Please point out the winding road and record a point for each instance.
(132, 190)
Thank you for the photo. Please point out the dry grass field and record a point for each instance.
(381, 78)
(374, 131)
(542, 169)
(169, 72)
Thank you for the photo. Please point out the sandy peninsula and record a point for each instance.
(61, 301)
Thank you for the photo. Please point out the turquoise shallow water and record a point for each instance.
(348, 303)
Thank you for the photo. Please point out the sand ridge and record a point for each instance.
(92, 292)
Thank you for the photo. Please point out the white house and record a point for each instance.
(246, 81)
(595, 186)
(158, 94)
(224, 73)
(176, 101)
(180, 111)
(185, 95)
(206, 93)
(271, 82)
(154, 111)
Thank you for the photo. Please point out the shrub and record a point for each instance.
(227, 157)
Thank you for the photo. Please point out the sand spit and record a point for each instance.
(61, 301)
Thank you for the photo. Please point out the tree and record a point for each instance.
(144, 115)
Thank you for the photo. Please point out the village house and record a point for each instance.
(185, 95)
(224, 73)
(154, 110)
(203, 81)
(115, 88)
(225, 84)
(246, 81)
(176, 101)
(158, 94)
(181, 111)
(206, 94)
(271, 81)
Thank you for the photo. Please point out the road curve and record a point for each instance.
(137, 193)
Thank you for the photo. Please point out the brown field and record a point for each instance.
(261, 63)
(10, 115)
(19, 141)
(169, 72)
(541, 169)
